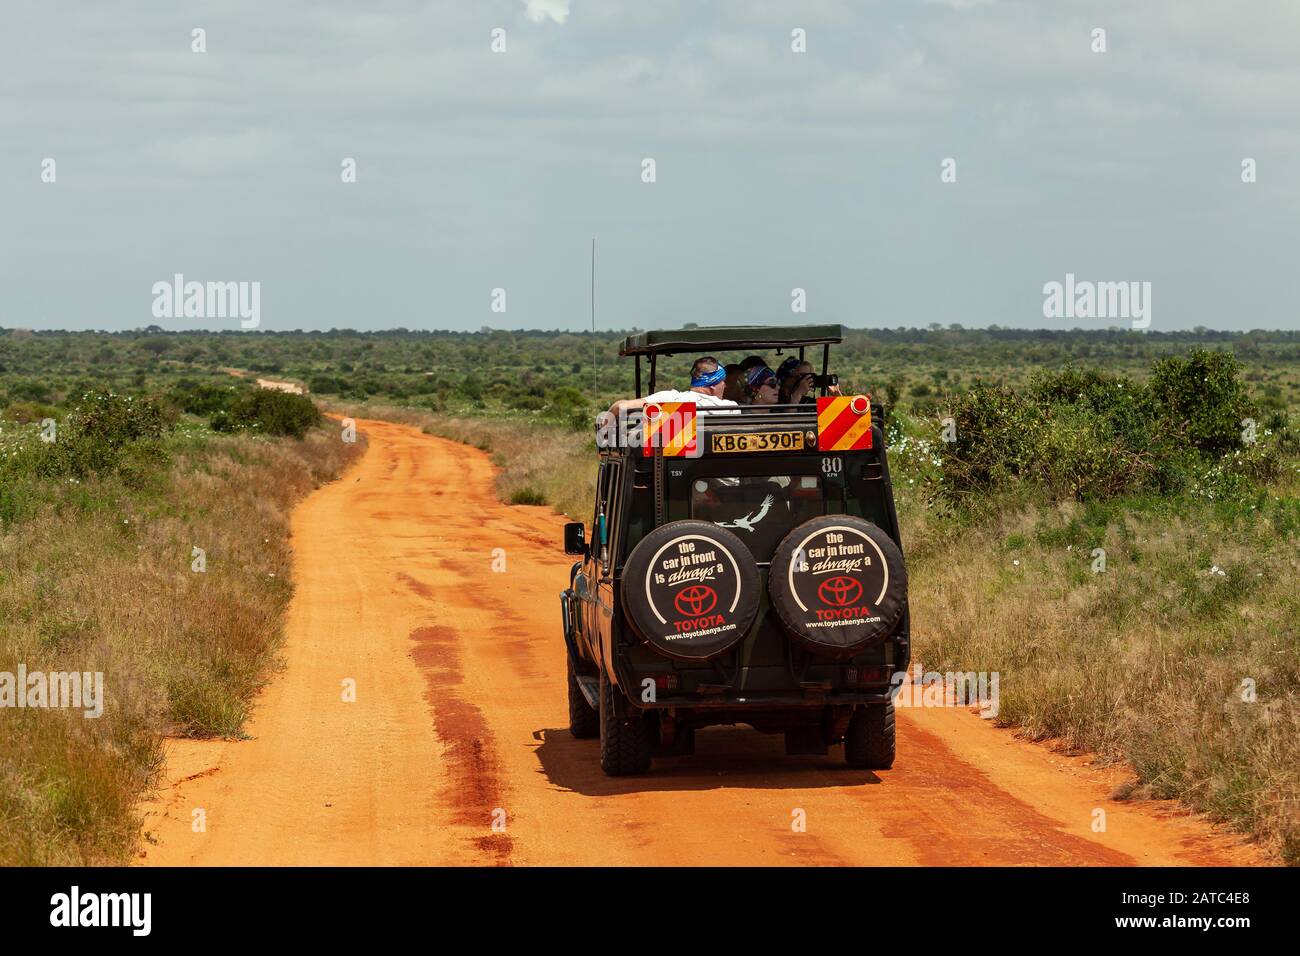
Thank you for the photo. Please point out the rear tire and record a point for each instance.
(584, 720)
(625, 742)
(869, 739)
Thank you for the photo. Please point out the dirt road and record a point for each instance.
(459, 719)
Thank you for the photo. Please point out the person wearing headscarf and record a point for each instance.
(761, 387)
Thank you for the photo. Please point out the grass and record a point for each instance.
(1148, 662)
(95, 575)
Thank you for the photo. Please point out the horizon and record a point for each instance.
(1198, 331)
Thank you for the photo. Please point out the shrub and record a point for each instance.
(527, 496)
(203, 399)
(526, 403)
(1202, 398)
(564, 400)
(269, 412)
(106, 433)
(996, 432)
(1088, 435)
(30, 392)
(26, 412)
(1081, 455)
(157, 344)
(327, 384)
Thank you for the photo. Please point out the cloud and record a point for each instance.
(775, 168)
(539, 10)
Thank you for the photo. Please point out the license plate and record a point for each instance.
(756, 441)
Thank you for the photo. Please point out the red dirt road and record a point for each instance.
(460, 719)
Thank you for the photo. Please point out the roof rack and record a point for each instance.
(729, 337)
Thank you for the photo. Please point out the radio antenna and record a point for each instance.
(595, 384)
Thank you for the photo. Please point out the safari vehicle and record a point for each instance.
(744, 567)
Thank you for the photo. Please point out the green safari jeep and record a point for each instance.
(744, 566)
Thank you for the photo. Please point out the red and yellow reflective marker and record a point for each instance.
(670, 425)
(844, 423)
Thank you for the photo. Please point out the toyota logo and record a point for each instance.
(696, 600)
(839, 591)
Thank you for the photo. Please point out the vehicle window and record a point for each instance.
(760, 510)
(613, 498)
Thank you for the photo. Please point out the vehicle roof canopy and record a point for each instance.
(729, 337)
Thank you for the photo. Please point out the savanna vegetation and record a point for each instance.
(1109, 519)
(564, 377)
(143, 535)
(1126, 552)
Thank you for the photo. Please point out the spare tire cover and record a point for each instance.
(690, 589)
(837, 583)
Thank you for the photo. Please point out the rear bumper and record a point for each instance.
(760, 702)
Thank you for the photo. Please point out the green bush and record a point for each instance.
(195, 399)
(1202, 398)
(269, 412)
(527, 496)
(25, 412)
(1126, 406)
(1080, 454)
(106, 433)
(569, 406)
(30, 392)
(526, 403)
(327, 384)
(996, 432)
(1088, 435)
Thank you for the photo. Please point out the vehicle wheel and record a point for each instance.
(584, 721)
(869, 739)
(625, 742)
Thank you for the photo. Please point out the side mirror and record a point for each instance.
(575, 541)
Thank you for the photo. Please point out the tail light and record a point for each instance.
(866, 674)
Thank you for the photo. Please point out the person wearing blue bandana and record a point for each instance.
(703, 380)
(708, 381)
(761, 387)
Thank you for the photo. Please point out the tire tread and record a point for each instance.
(584, 720)
(869, 740)
(625, 743)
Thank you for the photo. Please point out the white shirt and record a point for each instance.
(702, 400)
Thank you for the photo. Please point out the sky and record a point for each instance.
(477, 170)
